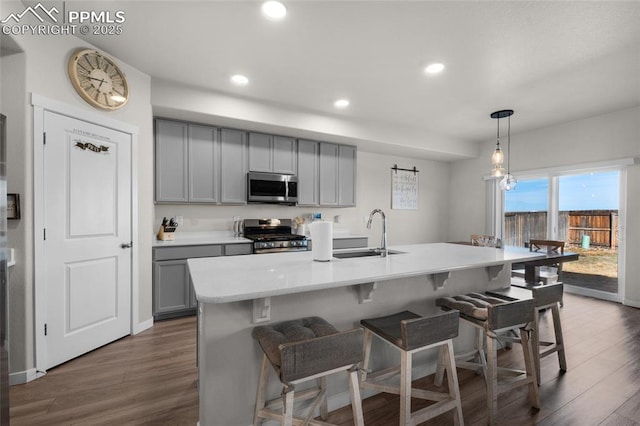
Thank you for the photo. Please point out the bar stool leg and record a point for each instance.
(262, 389)
(535, 342)
(480, 347)
(559, 339)
(368, 339)
(440, 368)
(492, 379)
(452, 380)
(287, 409)
(527, 350)
(324, 411)
(356, 398)
(405, 388)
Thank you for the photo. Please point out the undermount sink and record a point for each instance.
(362, 253)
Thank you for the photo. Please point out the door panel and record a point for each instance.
(87, 216)
(93, 282)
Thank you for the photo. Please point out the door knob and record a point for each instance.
(126, 245)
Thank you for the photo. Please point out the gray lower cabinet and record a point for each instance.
(173, 293)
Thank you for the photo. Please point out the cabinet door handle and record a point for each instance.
(126, 245)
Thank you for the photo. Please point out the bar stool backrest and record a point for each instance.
(483, 240)
(547, 294)
(550, 246)
(313, 356)
(510, 314)
(420, 332)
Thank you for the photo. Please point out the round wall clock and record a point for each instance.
(97, 78)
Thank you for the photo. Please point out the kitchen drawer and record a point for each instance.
(186, 252)
(235, 249)
(346, 243)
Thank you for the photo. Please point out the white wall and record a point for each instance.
(604, 137)
(42, 70)
(427, 224)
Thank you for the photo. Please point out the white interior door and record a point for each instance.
(87, 235)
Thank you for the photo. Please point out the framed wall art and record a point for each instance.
(13, 206)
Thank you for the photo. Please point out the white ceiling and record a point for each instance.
(550, 61)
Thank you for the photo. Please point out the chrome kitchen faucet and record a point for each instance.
(383, 250)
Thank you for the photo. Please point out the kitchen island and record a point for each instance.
(234, 293)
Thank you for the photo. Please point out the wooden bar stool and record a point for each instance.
(301, 350)
(492, 316)
(545, 297)
(411, 333)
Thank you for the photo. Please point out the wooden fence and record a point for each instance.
(600, 225)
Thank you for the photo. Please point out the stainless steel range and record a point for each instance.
(273, 235)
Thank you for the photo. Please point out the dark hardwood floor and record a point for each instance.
(150, 379)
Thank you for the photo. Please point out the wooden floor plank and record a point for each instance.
(151, 379)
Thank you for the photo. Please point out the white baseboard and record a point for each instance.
(22, 377)
(142, 326)
(632, 303)
(612, 297)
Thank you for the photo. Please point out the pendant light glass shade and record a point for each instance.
(508, 182)
(498, 156)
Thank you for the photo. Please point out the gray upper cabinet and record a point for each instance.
(186, 158)
(328, 174)
(171, 158)
(308, 173)
(347, 175)
(205, 164)
(204, 157)
(274, 154)
(234, 166)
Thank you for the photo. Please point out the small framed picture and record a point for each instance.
(13, 206)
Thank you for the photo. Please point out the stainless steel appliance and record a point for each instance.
(4, 293)
(272, 188)
(273, 235)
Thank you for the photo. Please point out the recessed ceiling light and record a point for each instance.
(274, 9)
(434, 68)
(341, 103)
(239, 80)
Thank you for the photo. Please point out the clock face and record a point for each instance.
(98, 79)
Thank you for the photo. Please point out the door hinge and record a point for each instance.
(44, 138)
(45, 329)
(44, 233)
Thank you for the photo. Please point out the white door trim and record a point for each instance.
(40, 105)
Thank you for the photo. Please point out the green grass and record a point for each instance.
(594, 260)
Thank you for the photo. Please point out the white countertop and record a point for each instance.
(235, 278)
(195, 238)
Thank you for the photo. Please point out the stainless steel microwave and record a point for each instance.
(272, 188)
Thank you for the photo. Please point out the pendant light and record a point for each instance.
(508, 182)
(498, 156)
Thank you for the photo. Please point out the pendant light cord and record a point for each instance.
(508, 145)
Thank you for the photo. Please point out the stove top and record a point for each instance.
(276, 237)
(273, 235)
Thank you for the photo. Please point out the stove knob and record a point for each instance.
(272, 245)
